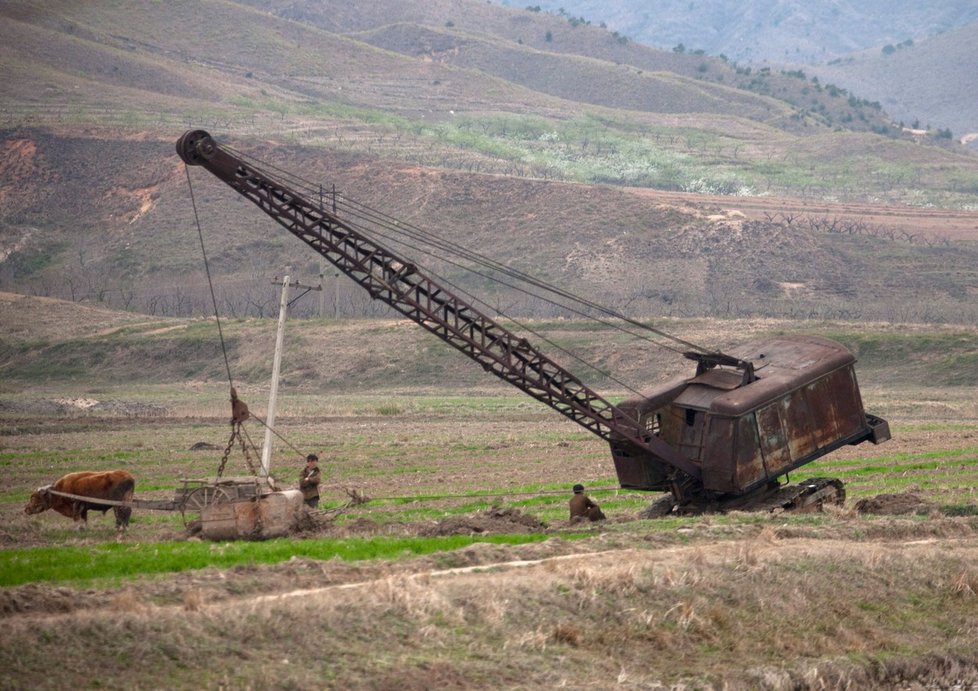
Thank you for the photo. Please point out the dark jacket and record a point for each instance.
(581, 506)
(309, 482)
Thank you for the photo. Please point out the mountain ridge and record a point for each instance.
(669, 206)
(872, 49)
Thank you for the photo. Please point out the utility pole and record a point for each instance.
(322, 293)
(336, 295)
(283, 308)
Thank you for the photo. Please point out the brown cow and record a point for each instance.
(115, 485)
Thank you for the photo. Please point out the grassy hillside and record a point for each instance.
(68, 347)
(538, 153)
(913, 80)
(525, 46)
(114, 223)
(478, 63)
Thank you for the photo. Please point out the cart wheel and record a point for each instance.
(201, 497)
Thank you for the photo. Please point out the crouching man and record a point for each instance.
(583, 508)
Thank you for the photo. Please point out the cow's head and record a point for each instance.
(39, 501)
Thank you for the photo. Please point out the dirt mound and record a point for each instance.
(491, 521)
(70, 407)
(896, 504)
(494, 520)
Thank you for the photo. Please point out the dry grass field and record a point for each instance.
(842, 599)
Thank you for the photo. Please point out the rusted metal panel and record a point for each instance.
(798, 425)
(782, 365)
(774, 452)
(803, 403)
(692, 432)
(749, 462)
(821, 413)
(638, 469)
(720, 463)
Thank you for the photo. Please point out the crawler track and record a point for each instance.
(810, 495)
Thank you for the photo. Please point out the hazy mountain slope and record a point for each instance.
(127, 60)
(931, 81)
(488, 20)
(577, 78)
(777, 31)
(47, 67)
(538, 40)
(254, 58)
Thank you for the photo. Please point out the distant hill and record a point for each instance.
(927, 83)
(111, 222)
(58, 343)
(666, 183)
(774, 31)
(916, 59)
(63, 60)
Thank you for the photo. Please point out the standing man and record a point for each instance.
(582, 507)
(309, 481)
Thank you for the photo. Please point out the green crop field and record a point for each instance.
(442, 548)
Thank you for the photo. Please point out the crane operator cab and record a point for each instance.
(749, 416)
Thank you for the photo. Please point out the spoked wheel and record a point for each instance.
(207, 495)
(197, 500)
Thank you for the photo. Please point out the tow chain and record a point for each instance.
(239, 413)
(246, 452)
(236, 436)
